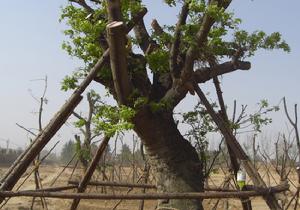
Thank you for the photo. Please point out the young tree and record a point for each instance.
(179, 58)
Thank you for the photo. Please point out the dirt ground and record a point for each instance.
(49, 173)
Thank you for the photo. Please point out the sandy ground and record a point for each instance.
(49, 173)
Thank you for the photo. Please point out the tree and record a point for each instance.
(86, 127)
(68, 151)
(125, 155)
(179, 58)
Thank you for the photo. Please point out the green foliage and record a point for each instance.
(130, 7)
(113, 119)
(85, 29)
(165, 38)
(80, 123)
(224, 39)
(159, 61)
(256, 120)
(260, 118)
(69, 82)
(201, 124)
(171, 3)
(259, 40)
(83, 33)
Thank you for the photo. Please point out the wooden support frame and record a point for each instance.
(147, 196)
(17, 169)
(237, 149)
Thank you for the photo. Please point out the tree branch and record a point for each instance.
(157, 28)
(78, 116)
(206, 73)
(142, 35)
(177, 35)
(175, 94)
(29, 131)
(201, 37)
(158, 31)
(84, 5)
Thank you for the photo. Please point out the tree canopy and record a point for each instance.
(164, 61)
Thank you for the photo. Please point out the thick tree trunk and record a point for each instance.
(174, 160)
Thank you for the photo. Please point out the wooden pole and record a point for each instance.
(148, 196)
(17, 169)
(237, 149)
(246, 203)
(116, 184)
(116, 42)
(68, 106)
(89, 172)
(114, 10)
(39, 143)
(117, 48)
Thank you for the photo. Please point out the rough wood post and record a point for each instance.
(116, 41)
(114, 10)
(17, 169)
(246, 202)
(14, 173)
(40, 142)
(147, 196)
(237, 149)
(92, 74)
(89, 172)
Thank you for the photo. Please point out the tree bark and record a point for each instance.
(174, 160)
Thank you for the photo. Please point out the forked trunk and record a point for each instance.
(174, 160)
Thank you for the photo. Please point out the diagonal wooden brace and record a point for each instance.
(88, 174)
(17, 169)
(237, 149)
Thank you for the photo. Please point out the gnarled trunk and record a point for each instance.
(174, 160)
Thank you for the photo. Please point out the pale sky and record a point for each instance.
(30, 48)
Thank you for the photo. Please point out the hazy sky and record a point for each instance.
(30, 48)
